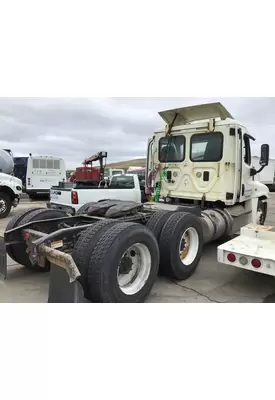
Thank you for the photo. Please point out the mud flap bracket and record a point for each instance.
(63, 286)
(61, 290)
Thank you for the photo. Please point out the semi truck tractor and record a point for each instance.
(201, 187)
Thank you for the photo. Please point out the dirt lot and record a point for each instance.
(212, 282)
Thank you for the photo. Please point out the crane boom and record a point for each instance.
(87, 172)
(96, 157)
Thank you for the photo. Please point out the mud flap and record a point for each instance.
(3, 260)
(60, 288)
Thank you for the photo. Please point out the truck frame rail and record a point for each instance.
(56, 246)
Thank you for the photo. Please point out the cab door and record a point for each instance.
(149, 166)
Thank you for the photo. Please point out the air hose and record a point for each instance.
(158, 185)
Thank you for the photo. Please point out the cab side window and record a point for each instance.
(247, 150)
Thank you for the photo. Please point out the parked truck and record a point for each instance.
(72, 200)
(200, 180)
(89, 173)
(110, 172)
(10, 186)
(95, 175)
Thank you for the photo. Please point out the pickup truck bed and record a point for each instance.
(122, 187)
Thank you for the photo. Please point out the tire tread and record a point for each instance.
(157, 221)
(166, 241)
(100, 254)
(22, 256)
(84, 249)
(13, 223)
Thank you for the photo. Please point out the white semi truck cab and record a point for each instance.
(203, 158)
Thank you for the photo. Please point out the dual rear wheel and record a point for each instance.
(119, 261)
(180, 239)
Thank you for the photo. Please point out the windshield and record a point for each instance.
(21, 161)
(136, 172)
(20, 168)
(172, 149)
(116, 172)
(122, 182)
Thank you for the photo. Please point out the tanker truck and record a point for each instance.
(10, 186)
(201, 187)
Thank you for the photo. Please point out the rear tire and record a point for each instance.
(13, 223)
(181, 245)
(5, 205)
(157, 221)
(124, 265)
(84, 248)
(21, 248)
(262, 210)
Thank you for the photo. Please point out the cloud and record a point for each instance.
(75, 128)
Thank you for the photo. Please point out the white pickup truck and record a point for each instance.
(71, 199)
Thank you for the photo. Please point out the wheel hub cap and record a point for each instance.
(185, 245)
(2, 206)
(125, 265)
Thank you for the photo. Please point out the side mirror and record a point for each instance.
(264, 161)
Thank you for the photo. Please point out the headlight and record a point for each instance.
(19, 188)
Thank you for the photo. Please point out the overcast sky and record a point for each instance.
(76, 128)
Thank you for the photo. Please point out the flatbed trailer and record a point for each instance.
(253, 249)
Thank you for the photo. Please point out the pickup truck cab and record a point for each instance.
(121, 187)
